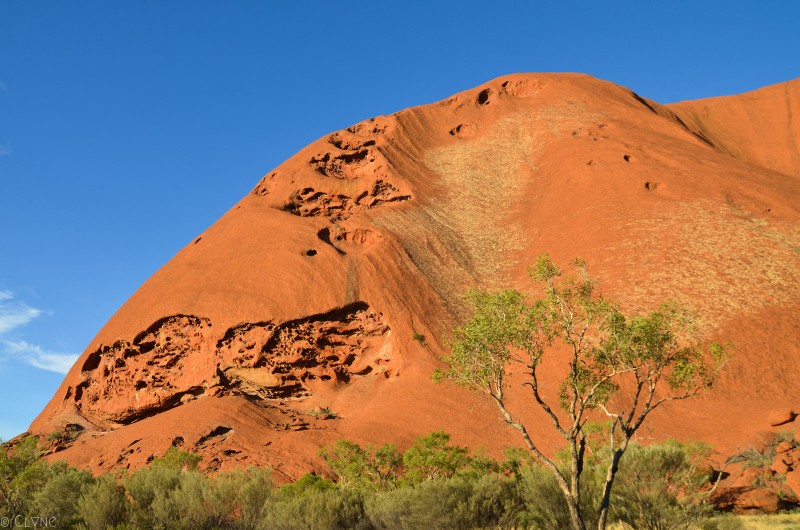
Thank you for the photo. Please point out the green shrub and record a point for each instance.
(370, 469)
(491, 501)
(59, 496)
(658, 487)
(431, 457)
(437, 504)
(543, 500)
(103, 504)
(305, 484)
(329, 509)
(252, 493)
(176, 458)
(198, 502)
(22, 475)
(495, 502)
(148, 489)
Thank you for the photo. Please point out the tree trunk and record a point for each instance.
(573, 504)
(575, 515)
(577, 449)
(606, 502)
(573, 501)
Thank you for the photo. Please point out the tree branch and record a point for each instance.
(542, 403)
(529, 443)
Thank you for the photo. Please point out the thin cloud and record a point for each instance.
(5, 149)
(37, 357)
(14, 315)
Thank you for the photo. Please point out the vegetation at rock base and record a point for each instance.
(654, 357)
(432, 485)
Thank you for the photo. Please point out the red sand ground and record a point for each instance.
(309, 292)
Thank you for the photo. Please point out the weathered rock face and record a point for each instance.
(178, 358)
(315, 308)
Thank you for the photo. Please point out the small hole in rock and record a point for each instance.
(483, 97)
(627, 158)
(310, 252)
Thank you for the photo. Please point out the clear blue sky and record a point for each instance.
(128, 127)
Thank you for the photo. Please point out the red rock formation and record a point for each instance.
(312, 293)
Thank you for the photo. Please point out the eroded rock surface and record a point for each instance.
(179, 358)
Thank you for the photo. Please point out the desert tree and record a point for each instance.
(619, 367)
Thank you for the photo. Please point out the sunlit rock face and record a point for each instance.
(317, 308)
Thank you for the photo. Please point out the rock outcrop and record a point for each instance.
(315, 309)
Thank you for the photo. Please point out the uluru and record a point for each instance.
(317, 308)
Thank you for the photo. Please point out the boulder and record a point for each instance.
(793, 482)
(748, 477)
(779, 465)
(781, 416)
(750, 500)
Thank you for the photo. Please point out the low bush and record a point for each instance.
(433, 485)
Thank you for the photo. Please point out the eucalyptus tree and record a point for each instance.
(619, 367)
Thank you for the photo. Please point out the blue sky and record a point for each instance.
(128, 127)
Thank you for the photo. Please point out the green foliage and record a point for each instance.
(307, 483)
(433, 485)
(55, 436)
(327, 509)
(481, 347)
(22, 474)
(103, 504)
(431, 457)
(251, 493)
(196, 502)
(515, 458)
(654, 354)
(58, 495)
(380, 469)
(455, 503)
(148, 489)
(544, 505)
(325, 413)
(660, 486)
(176, 458)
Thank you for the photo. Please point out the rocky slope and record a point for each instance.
(314, 309)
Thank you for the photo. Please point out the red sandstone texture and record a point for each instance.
(296, 319)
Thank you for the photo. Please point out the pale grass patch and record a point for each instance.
(779, 521)
(717, 260)
(483, 181)
(464, 236)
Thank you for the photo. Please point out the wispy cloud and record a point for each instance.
(5, 149)
(36, 356)
(14, 315)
